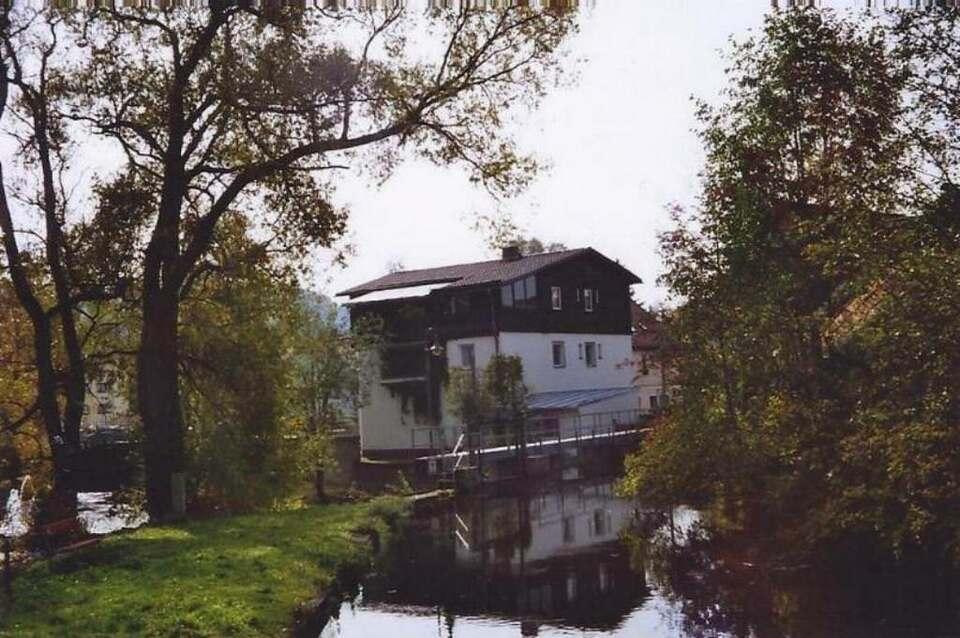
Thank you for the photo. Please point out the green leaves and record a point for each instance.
(820, 285)
(498, 396)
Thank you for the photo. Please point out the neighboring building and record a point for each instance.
(105, 406)
(566, 314)
(652, 375)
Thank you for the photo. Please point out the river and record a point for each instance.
(573, 559)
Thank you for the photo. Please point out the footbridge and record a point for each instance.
(534, 446)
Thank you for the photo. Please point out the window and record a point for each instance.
(531, 287)
(103, 408)
(522, 292)
(556, 298)
(559, 354)
(599, 351)
(468, 356)
(453, 305)
(518, 292)
(569, 529)
(588, 299)
(600, 520)
(590, 353)
(103, 386)
(653, 402)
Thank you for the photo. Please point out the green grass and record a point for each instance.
(241, 575)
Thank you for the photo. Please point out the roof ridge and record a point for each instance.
(484, 272)
(449, 272)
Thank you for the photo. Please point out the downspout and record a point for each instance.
(495, 321)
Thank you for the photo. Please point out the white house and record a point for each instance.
(566, 314)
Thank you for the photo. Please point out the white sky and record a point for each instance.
(619, 141)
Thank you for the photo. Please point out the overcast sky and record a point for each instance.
(619, 141)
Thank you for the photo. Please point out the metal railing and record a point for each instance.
(534, 430)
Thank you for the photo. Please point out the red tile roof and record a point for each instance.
(646, 329)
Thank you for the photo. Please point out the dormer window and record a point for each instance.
(556, 298)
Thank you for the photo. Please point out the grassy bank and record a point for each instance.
(240, 575)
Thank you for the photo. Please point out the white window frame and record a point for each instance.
(556, 297)
(563, 354)
(588, 299)
(471, 348)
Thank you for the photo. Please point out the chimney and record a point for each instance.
(511, 253)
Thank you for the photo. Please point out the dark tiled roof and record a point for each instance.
(482, 272)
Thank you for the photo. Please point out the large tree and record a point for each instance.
(816, 390)
(55, 259)
(234, 111)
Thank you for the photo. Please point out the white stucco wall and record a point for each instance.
(383, 426)
(484, 349)
(613, 367)
(654, 383)
(535, 350)
(383, 423)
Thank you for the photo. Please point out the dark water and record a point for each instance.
(575, 560)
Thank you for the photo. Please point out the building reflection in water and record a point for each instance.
(553, 558)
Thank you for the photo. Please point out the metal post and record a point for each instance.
(7, 572)
(480, 461)
(522, 448)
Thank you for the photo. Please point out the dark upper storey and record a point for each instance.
(572, 291)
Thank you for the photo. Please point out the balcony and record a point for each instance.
(403, 363)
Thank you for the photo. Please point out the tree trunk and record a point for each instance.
(42, 333)
(159, 398)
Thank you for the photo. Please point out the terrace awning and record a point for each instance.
(572, 399)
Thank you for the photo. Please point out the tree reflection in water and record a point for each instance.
(722, 579)
(575, 559)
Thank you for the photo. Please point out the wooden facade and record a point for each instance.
(484, 310)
